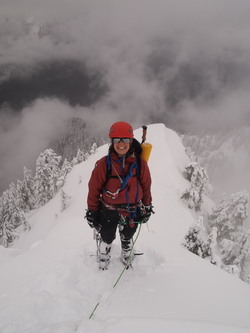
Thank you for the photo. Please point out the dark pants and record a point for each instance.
(109, 220)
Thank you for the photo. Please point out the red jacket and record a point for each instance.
(99, 184)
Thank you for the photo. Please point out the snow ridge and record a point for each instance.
(50, 282)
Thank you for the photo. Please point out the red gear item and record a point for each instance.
(121, 129)
(98, 183)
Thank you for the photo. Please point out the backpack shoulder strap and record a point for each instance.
(138, 162)
(109, 166)
(108, 171)
(136, 146)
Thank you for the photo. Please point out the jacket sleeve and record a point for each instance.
(145, 182)
(96, 183)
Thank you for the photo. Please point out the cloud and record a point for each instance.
(25, 136)
(185, 63)
(221, 116)
(82, 28)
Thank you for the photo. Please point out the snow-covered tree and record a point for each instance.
(212, 245)
(79, 158)
(25, 191)
(64, 200)
(93, 148)
(12, 216)
(196, 241)
(232, 269)
(200, 243)
(28, 184)
(247, 280)
(77, 135)
(21, 195)
(7, 230)
(229, 217)
(198, 179)
(46, 176)
(229, 251)
(233, 240)
(243, 259)
(65, 169)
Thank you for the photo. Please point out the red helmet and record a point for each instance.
(121, 129)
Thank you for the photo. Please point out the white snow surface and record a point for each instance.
(50, 283)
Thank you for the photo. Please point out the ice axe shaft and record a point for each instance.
(144, 133)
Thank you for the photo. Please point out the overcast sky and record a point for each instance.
(120, 37)
(185, 62)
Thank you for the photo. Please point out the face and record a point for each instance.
(121, 147)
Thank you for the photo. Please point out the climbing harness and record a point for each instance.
(124, 181)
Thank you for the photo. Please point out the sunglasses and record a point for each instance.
(118, 140)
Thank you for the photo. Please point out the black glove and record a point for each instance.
(143, 214)
(92, 217)
(148, 211)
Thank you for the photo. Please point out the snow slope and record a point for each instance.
(50, 283)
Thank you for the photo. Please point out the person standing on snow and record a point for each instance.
(119, 193)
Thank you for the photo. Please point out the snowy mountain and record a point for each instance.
(50, 283)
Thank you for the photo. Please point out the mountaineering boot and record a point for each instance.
(127, 254)
(104, 255)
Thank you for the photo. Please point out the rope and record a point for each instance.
(92, 313)
(129, 258)
(125, 268)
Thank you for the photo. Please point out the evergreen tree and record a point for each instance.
(7, 231)
(212, 245)
(243, 259)
(28, 183)
(21, 195)
(233, 240)
(76, 135)
(79, 158)
(93, 148)
(12, 216)
(86, 155)
(200, 243)
(247, 280)
(195, 240)
(198, 178)
(65, 169)
(46, 177)
(229, 217)
(229, 251)
(25, 195)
